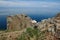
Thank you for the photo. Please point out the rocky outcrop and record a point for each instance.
(50, 22)
(51, 26)
(18, 22)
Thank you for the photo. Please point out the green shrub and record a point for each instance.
(30, 33)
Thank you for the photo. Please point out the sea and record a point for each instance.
(33, 13)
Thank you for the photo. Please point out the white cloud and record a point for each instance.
(28, 4)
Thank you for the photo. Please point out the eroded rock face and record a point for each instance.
(50, 22)
(52, 25)
(18, 22)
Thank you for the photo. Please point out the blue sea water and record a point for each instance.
(35, 14)
(3, 22)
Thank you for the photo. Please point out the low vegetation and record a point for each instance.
(32, 34)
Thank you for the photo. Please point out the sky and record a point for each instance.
(43, 5)
(29, 3)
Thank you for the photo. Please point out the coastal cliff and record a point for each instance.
(22, 27)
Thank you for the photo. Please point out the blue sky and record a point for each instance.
(42, 5)
(30, 3)
(31, 0)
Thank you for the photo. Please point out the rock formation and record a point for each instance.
(50, 26)
(18, 22)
